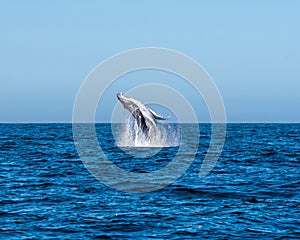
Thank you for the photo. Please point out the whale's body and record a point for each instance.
(145, 117)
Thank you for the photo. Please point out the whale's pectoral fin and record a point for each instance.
(156, 116)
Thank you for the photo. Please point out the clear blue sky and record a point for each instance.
(250, 48)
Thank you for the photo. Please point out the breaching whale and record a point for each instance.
(145, 117)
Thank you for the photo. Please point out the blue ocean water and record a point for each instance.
(253, 191)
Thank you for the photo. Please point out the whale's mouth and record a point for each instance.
(119, 95)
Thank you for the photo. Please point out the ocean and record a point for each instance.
(252, 192)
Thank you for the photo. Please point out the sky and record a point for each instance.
(250, 48)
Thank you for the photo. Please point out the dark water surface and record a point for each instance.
(253, 191)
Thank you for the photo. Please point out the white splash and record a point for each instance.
(163, 135)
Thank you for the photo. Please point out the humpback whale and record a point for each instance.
(144, 117)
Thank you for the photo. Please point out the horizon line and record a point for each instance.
(206, 122)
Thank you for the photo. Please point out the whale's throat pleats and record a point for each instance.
(136, 113)
(141, 122)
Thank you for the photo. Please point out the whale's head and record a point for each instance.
(128, 103)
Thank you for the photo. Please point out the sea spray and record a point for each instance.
(164, 135)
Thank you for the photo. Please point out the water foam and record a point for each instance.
(164, 135)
